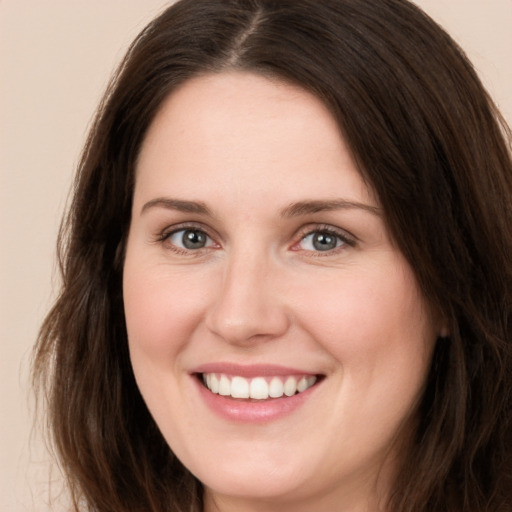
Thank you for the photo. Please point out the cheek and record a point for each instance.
(374, 323)
(162, 312)
(161, 309)
(377, 328)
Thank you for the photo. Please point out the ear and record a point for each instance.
(444, 332)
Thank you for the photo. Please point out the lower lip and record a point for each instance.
(246, 411)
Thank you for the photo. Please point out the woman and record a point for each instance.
(286, 270)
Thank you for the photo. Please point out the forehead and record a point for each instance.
(245, 128)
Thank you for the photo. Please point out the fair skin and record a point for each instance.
(257, 253)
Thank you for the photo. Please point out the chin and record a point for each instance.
(240, 481)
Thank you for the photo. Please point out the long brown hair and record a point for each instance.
(428, 140)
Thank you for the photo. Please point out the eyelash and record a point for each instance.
(164, 238)
(344, 239)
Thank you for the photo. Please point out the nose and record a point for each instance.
(249, 305)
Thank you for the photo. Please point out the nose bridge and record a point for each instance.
(248, 305)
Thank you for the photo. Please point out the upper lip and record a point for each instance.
(250, 371)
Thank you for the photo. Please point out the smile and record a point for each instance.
(257, 388)
(256, 393)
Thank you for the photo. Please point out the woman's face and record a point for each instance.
(259, 262)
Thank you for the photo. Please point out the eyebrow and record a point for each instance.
(293, 210)
(177, 204)
(310, 207)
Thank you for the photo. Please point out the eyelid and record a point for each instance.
(169, 230)
(347, 238)
(164, 235)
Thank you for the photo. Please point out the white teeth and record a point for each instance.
(214, 383)
(276, 388)
(290, 386)
(239, 387)
(258, 388)
(302, 385)
(224, 386)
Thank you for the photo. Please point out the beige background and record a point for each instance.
(55, 60)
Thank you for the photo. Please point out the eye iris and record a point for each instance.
(324, 241)
(193, 239)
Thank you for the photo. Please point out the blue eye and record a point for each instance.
(322, 241)
(190, 239)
